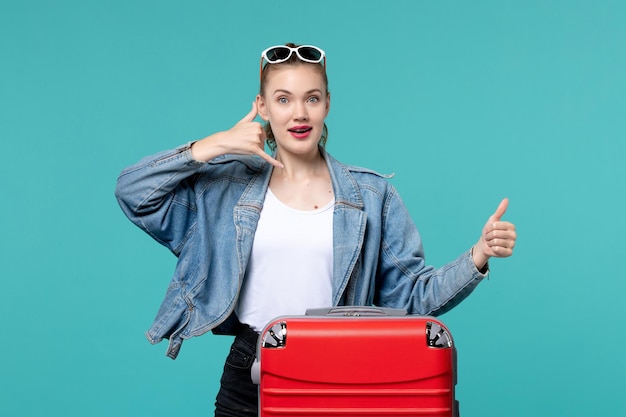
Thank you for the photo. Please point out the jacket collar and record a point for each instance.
(345, 186)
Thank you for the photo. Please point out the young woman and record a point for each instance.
(258, 236)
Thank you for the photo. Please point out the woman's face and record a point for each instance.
(296, 104)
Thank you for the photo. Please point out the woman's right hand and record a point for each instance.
(247, 137)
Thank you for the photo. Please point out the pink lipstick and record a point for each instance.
(300, 132)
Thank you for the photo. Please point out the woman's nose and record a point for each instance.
(300, 112)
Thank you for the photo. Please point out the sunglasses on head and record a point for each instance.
(281, 53)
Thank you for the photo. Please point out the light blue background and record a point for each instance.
(466, 101)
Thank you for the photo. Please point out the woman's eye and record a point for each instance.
(314, 99)
(283, 100)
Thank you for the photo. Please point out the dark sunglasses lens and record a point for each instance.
(278, 54)
(312, 54)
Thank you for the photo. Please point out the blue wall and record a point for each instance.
(467, 102)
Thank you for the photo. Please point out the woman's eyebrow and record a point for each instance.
(283, 91)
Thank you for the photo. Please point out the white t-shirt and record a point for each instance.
(291, 264)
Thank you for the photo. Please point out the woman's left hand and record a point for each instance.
(497, 239)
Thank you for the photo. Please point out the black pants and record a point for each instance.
(238, 396)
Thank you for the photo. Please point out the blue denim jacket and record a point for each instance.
(206, 213)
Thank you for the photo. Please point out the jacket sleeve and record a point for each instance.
(405, 280)
(157, 194)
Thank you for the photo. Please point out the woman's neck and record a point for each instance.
(301, 167)
(304, 183)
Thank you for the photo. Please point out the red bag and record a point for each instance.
(356, 361)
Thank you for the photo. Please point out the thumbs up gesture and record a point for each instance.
(497, 238)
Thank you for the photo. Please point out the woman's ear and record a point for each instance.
(261, 108)
(327, 103)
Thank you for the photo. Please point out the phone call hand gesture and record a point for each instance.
(246, 137)
(497, 239)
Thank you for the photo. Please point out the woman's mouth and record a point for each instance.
(300, 132)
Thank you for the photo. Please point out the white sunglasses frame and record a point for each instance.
(291, 51)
